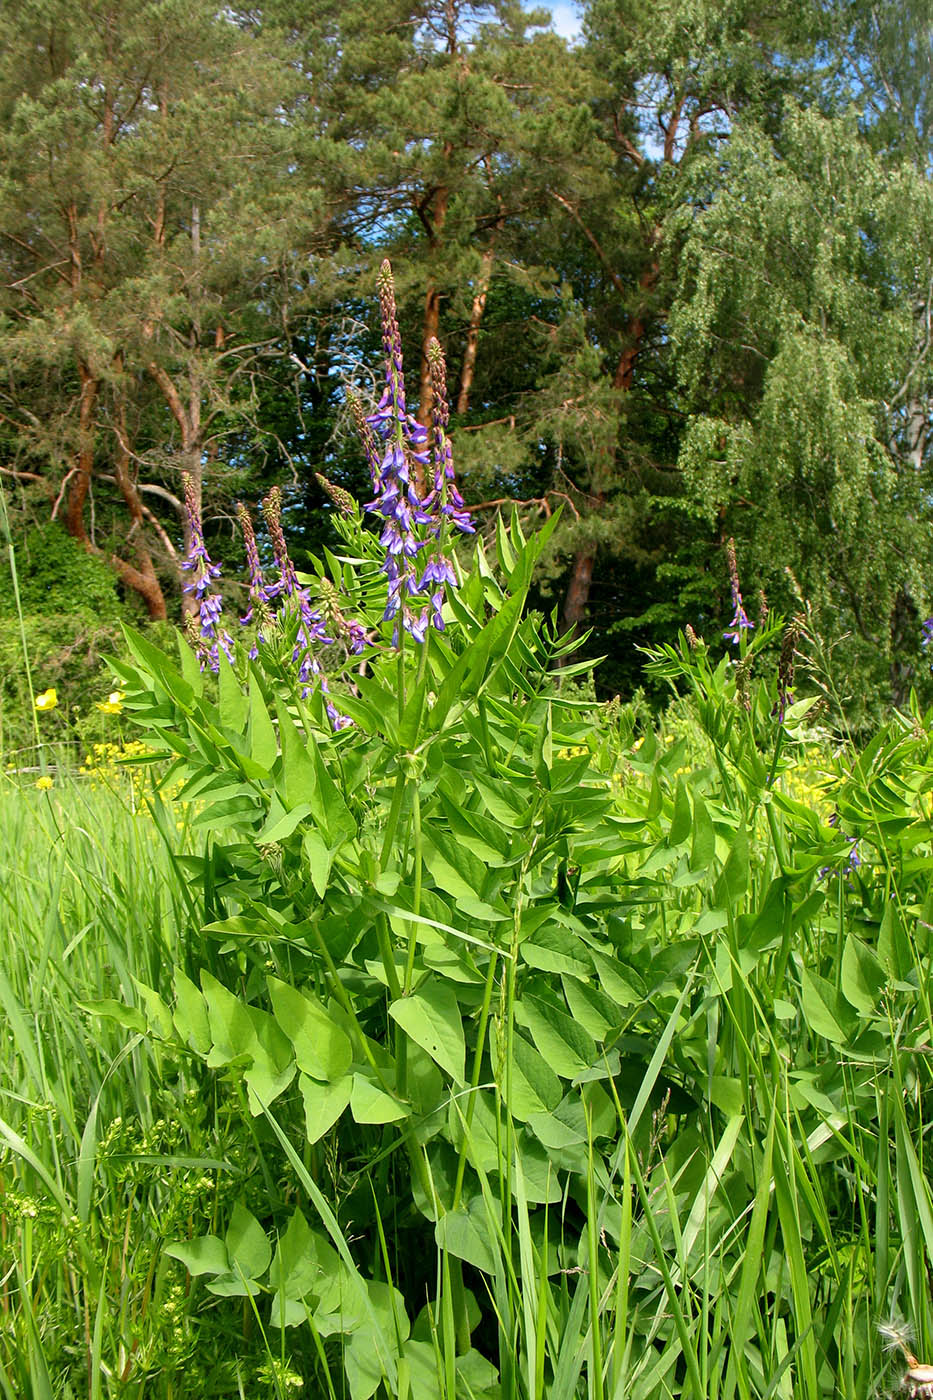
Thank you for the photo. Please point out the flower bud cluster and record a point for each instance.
(341, 499)
(208, 639)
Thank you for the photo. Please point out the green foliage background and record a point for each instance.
(680, 268)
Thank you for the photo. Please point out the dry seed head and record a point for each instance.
(897, 1336)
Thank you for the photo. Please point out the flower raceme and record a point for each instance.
(741, 622)
(203, 572)
(414, 494)
(399, 454)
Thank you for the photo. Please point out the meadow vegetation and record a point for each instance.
(387, 1017)
(724, 1197)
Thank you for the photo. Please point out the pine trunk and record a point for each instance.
(143, 578)
(80, 482)
(578, 591)
(476, 319)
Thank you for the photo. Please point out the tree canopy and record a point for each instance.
(680, 267)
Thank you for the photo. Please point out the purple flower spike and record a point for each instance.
(740, 620)
(260, 595)
(311, 626)
(396, 446)
(926, 633)
(398, 451)
(207, 641)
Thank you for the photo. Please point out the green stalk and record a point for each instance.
(395, 811)
(417, 877)
(597, 1389)
(477, 1070)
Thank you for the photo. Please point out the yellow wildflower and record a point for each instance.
(47, 700)
(113, 704)
(44, 783)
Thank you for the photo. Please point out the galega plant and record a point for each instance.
(409, 862)
(597, 1068)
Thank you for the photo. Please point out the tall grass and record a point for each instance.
(106, 1153)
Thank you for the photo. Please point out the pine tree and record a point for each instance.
(149, 226)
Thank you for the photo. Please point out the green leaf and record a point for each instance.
(500, 802)
(893, 943)
(232, 811)
(553, 949)
(299, 782)
(432, 1019)
(322, 1050)
(726, 1094)
(247, 1246)
(190, 665)
(369, 1104)
(272, 1068)
(591, 1008)
(613, 980)
(473, 667)
(543, 753)
(478, 833)
(733, 882)
(363, 1364)
(863, 978)
(330, 810)
(529, 1085)
(263, 745)
(324, 1103)
(565, 1045)
(156, 664)
(682, 818)
(320, 858)
(234, 706)
(504, 551)
(703, 848)
(232, 1031)
(190, 1018)
(280, 825)
(454, 869)
(464, 1233)
(159, 1016)
(824, 1009)
(206, 1255)
(295, 1267)
(129, 1017)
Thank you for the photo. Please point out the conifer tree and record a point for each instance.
(148, 229)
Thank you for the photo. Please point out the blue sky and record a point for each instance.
(566, 18)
